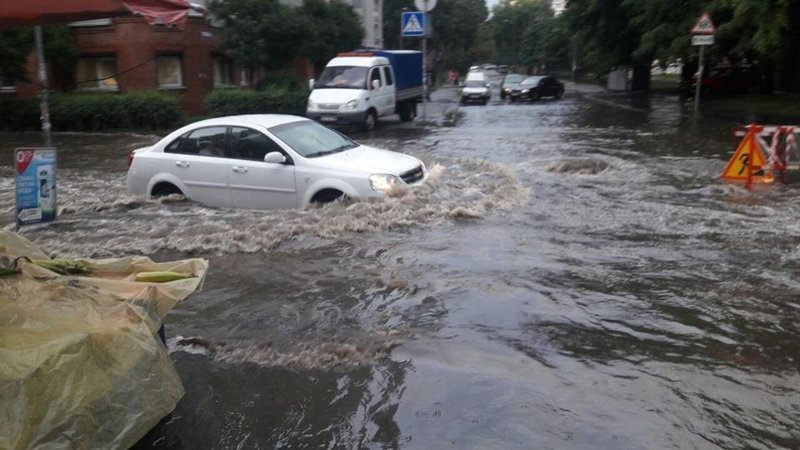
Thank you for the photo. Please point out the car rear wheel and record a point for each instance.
(408, 111)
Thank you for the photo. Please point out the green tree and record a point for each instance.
(634, 32)
(392, 13)
(60, 50)
(337, 29)
(456, 28)
(263, 33)
(269, 34)
(527, 33)
(15, 46)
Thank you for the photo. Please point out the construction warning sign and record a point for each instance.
(747, 160)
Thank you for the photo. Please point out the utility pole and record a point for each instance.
(42, 78)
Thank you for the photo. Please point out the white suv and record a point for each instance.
(266, 162)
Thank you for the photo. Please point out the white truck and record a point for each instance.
(359, 87)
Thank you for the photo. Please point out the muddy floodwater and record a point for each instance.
(574, 275)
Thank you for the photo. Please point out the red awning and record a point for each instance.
(27, 13)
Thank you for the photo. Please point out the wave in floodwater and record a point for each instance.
(325, 355)
(97, 218)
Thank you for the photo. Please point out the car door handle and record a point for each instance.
(182, 163)
(239, 169)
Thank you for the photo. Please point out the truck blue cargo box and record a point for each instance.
(407, 65)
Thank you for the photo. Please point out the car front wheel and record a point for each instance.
(370, 121)
(165, 189)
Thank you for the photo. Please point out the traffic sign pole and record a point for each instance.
(703, 28)
(425, 6)
(424, 68)
(699, 81)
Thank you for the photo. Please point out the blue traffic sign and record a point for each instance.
(413, 23)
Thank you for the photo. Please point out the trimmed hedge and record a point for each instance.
(274, 100)
(94, 112)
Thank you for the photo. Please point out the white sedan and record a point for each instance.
(266, 161)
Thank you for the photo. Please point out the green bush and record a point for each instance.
(273, 100)
(18, 114)
(94, 112)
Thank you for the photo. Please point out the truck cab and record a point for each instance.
(359, 87)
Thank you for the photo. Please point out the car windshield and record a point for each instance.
(310, 139)
(510, 79)
(474, 84)
(345, 77)
(532, 81)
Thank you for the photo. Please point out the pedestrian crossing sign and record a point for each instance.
(413, 24)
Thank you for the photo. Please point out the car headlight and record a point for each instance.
(352, 104)
(506, 90)
(382, 181)
(525, 91)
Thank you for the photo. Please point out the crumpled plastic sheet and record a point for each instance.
(81, 364)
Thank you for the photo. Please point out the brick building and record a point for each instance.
(126, 54)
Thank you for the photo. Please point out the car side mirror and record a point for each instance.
(311, 84)
(376, 84)
(275, 158)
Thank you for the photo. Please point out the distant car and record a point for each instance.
(266, 161)
(534, 88)
(476, 90)
(510, 81)
(502, 68)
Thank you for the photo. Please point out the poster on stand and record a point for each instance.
(35, 181)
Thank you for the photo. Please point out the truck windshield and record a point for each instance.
(346, 77)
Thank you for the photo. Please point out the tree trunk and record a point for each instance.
(641, 78)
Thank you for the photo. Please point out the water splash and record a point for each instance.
(121, 224)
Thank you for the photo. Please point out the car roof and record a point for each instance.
(248, 120)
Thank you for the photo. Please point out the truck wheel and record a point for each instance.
(370, 121)
(408, 111)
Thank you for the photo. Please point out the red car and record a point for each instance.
(726, 80)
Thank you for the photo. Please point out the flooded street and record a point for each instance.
(574, 275)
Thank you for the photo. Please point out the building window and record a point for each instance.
(97, 73)
(170, 74)
(223, 71)
(7, 84)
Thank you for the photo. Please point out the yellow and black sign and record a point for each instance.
(747, 160)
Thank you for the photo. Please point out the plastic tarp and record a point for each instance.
(81, 364)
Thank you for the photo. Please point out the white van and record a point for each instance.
(361, 86)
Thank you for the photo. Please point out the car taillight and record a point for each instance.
(130, 158)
